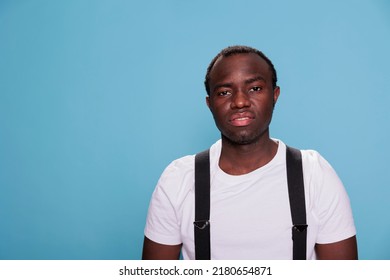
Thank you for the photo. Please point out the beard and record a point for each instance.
(252, 134)
(244, 137)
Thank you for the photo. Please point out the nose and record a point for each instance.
(240, 100)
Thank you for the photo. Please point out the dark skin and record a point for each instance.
(342, 250)
(157, 251)
(241, 101)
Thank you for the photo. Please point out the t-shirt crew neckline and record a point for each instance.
(277, 159)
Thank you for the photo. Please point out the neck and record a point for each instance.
(239, 159)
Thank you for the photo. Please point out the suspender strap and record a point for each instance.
(202, 206)
(296, 194)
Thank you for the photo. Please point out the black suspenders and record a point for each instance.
(296, 195)
(202, 206)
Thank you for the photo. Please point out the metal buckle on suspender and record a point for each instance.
(202, 224)
(299, 228)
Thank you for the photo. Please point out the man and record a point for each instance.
(250, 216)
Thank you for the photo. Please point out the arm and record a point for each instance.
(157, 251)
(342, 250)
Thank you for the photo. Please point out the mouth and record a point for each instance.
(241, 119)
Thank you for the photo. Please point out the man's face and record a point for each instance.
(242, 97)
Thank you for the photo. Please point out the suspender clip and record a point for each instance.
(202, 224)
(299, 228)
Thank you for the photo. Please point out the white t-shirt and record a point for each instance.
(250, 215)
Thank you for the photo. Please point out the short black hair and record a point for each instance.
(232, 50)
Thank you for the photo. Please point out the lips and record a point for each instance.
(241, 119)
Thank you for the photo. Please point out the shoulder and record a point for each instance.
(322, 183)
(315, 164)
(178, 177)
(312, 157)
(179, 166)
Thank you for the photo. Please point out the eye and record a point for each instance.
(223, 93)
(255, 89)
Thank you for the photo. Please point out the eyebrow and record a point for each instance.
(247, 82)
(255, 79)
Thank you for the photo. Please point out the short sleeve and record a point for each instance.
(162, 225)
(168, 202)
(331, 202)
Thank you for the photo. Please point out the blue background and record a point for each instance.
(97, 97)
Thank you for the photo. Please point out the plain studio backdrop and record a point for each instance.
(97, 97)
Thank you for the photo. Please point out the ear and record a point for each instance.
(208, 101)
(276, 94)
